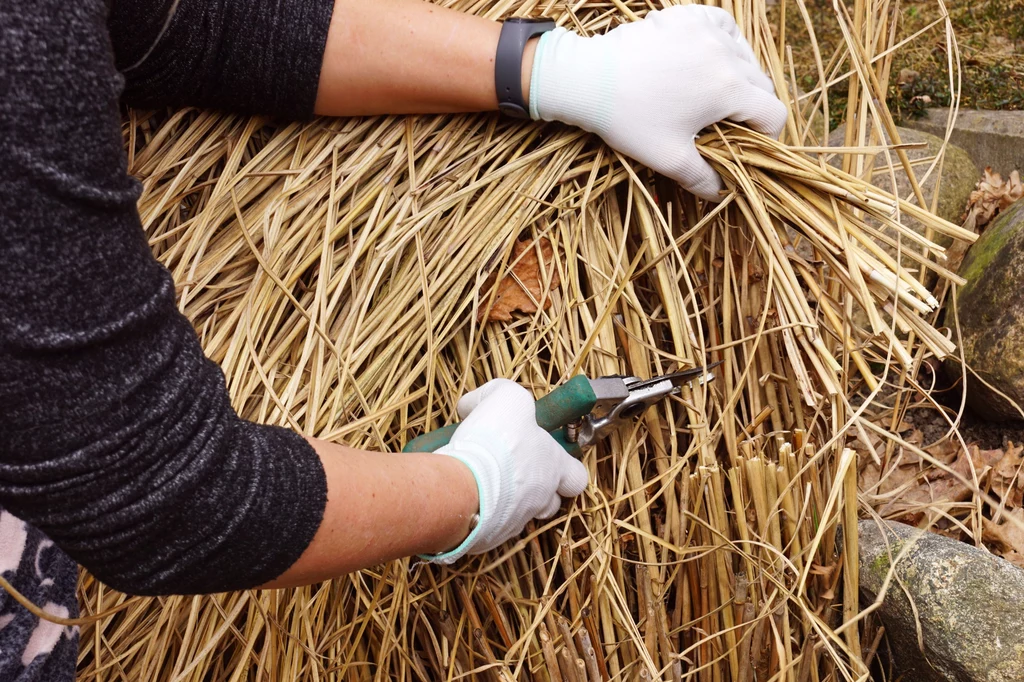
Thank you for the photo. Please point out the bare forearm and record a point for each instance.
(409, 56)
(382, 507)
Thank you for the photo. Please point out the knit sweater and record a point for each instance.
(119, 449)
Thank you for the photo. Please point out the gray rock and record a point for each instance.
(991, 311)
(959, 177)
(813, 119)
(970, 605)
(992, 138)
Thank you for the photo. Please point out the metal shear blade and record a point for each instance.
(678, 379)
(641, 394)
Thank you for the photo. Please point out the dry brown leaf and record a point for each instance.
(907, 77)
(868, 477)
(946, 451)
(1006, 536)
(910, 486)
(992, 196)
(1007, 477)
(869, 445)
(980, 460)
(1015, 558)
(522, 288)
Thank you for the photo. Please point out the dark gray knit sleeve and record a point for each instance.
(248, 56)
(117, 438)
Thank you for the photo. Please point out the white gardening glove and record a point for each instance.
(521, 471)
(649, 87)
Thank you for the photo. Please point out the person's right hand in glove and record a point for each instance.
(521, 472)
(648, 87)
(499, 466)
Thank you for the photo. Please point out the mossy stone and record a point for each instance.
(969, 603)
(990, 308)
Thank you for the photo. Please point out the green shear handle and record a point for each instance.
(566, 404)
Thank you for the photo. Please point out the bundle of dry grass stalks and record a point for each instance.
(334, 268)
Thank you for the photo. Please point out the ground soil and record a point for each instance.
(934, 421)
(989, 34)
(975, 431)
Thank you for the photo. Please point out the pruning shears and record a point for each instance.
(582, 411)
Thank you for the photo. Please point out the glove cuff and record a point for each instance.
(572, 82)
(487, 484)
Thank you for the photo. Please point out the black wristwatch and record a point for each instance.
(508, 63)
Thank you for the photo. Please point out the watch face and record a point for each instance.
(512, 109)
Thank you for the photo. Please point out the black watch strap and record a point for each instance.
(508, 62)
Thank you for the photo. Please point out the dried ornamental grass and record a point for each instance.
(334, 269)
